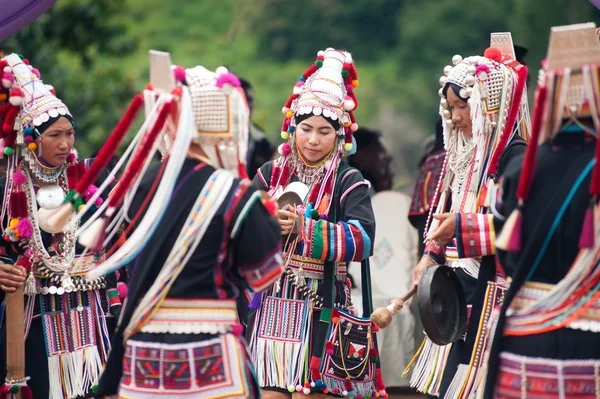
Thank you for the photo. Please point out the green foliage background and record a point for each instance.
(95, 52)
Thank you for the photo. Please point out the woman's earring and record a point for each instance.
(40, 148)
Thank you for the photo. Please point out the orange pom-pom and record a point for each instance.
(493, 53)
(3, 96)
(289, 114)
(355, 83)
(347, 124)
(32, 146)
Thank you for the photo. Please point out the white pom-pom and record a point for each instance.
(7, 69)
(447, 69)
(7, 84)
(457, 59)
(443, 80)
(344, 393)
(348, 57)
(221, 70)
(297, 90)
(306, 391)
(90, 236)
(15, 100)
(349, 104)
(320, 53)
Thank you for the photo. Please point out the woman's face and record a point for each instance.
(315, 138)
(57, 142)
(461, 113)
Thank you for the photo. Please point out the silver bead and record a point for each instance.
(457, 59)
(446, 113)
(443, 81)
(447, 69)
(444, 102)
(441, 92)
(449, 123)
(469, 91)
(463, 93)
(471, 69)
(470, 80)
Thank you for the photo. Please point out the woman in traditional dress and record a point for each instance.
(179, 336)
(484, 117)
(546, 344)
(294, 343)
(67, 319)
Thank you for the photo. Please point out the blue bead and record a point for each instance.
(28, 131)
(291, 129)
(302, 79)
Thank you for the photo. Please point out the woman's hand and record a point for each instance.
(287, 219)
(11, 277)
(446, 231)
(423, 264)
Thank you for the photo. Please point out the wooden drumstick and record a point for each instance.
(382, 317)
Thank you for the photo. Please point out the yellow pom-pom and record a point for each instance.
(355, 83)
(80, 208)
(285, 135)
(348, 146)
(347, 124)
(289, 114)
(13, 222)
(32, 146)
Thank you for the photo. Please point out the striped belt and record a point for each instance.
(531, 292)
(193, 316)
(314, 268)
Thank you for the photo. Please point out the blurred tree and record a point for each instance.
(77, 46)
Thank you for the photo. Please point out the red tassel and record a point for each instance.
(514, 244)
(25, 263)
(26, 393)
(530, 156)
(314, 193)
(289, 101)
(242, 174)
(329, 348)
(138, 158)
(379, 380)
(315, 365)
(311, 70)
(588, 236)
(9, 120)
(349, 386)
(373, 352)
(275, 176)
(18, 204)
(5, 392)
(111, 145)
(515, 106)
(285, 175)
(72, 176)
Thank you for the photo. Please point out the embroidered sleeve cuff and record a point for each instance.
(113, 297)
(436, 252)
(339, 242)
(261, 275)
(475, 235)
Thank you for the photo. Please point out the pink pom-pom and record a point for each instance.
(299, 83)
(28, 139)
(544, 63)
(99, 201)
(36, 72)
(285, 110)
(179, 73)
(29, 253)
(286, 149)
(354, 127)
(91, 190)
(349, 88)
(24, 228)
(228, 78)
(71, 157)
(300, 210)
(482, 68)
(299, 388)
(346, 130)
(7, 80)
(288, 121)
(329, 351)
(375, 328)
(122, 289)
(237, 330)
(19, 178)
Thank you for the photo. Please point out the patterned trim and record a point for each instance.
(261, 275)
(113, 297)
(314, 268)
(533, 377)
(214, 368)
(436, 252)
(475, 235)
(339, 242)
(193, 316)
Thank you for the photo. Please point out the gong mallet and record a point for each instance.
(382, 316)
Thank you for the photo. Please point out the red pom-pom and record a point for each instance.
(493, 53)
(16, 97)
(37, 73)
(71, 157)
(25, 61)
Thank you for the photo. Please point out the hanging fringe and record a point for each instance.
(74, 374)
(512, 227)
(458, 382)
(428, 367)
(282, 362)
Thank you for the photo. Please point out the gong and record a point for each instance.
(293, 195)
(442, 305)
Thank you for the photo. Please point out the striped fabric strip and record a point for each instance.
(475, 235)
(339, 242)
(261, 275)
